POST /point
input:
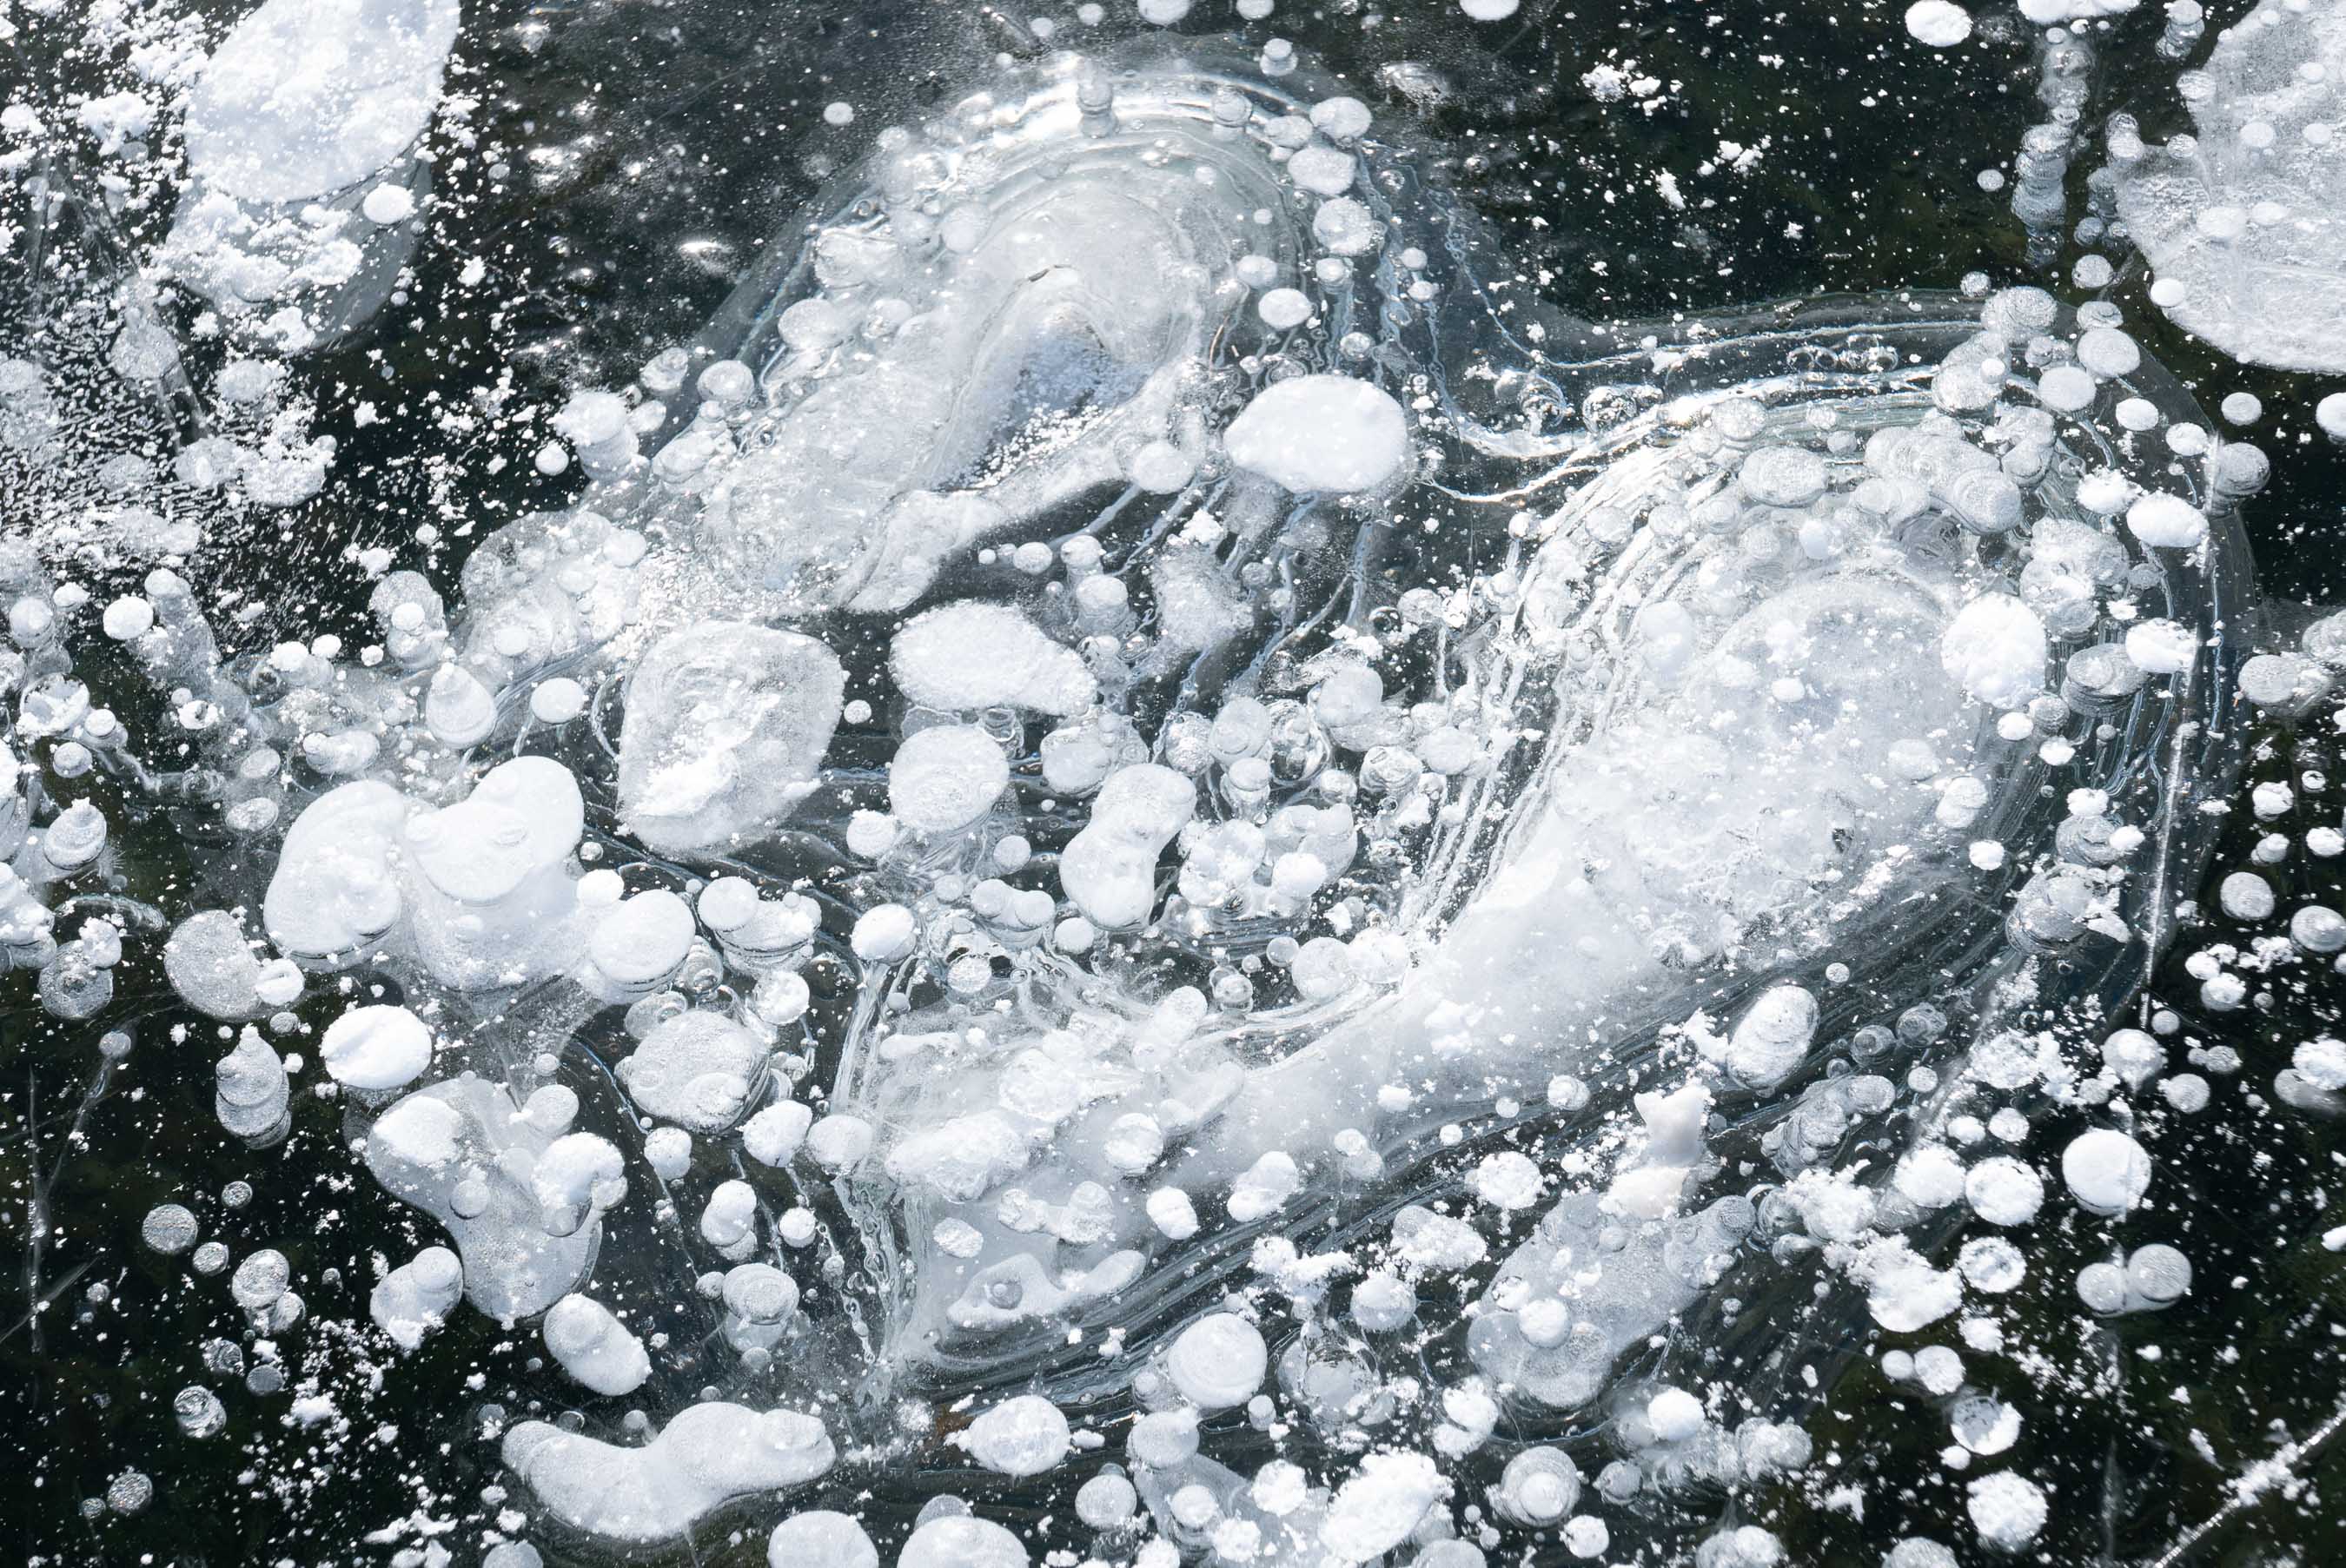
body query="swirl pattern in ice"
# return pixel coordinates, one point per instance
(1130, 789)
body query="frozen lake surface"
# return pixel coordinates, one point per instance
(1194, 784)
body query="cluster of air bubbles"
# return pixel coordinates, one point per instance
(2041, 169)
(1056, 813)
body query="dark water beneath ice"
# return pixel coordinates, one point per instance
(631, 161)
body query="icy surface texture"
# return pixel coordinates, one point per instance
(709, 1455)
(2244, 220)
(477, 891)
(519, 1195)
(726, 726)
(303, 100)
(1117, 817)
(1010, 307)
(298, 138)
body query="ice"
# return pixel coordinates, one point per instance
(303, 100)
(1903, 1293)
(2002, 1190)
(708, 1455)
(1358, 768)
(2107, 1172)
(820, 1538)
(299, 113)
(594, 1347)
(1507, 1180)
(697, 1069)
(840, 1142)
(485, 883)
(1321, 432)
(964, 657)
(580, 1174)
(1108, 870)
(377, 1048)
(1078, 311)
(1106, 1500)
(1674, 1414)
(1264, 1187)
(2008, 1510)
(775, 1134)
(637, 944)
(725, 726)
(1377, 1507)
(728, 1221)
(1217, 1361)
(169, 1229)
(1171, 1212)
(211, 965)
(946, 776)
(1996, 648)
(1539, 1487)
(760, 1304)
(466, 1153)
(1915, 1552)
(600, 425)
(2241, 221)
(250, 1092)
(1567, 1303)
(1020, 1437)
(260, 1282)
(1768, 1041)
(961, 1159)
(2167, 522)
(416, 1297)
(334, 893)
(961, 1541)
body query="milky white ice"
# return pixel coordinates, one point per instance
(1109, 869)
(307, 97)
(725, 726)
(2107, 1172)
(1024, 1436)
(820, 1538)
(708, 1455)
(1321, 433)
(866, 474)
(976, 654)
(2243, 222)
(594, 1347)
(308, 102)
(1376, 1508)
(377, 1047)
(1996, 648)
(2167, 522)
(1938, 22)
(416, 1297)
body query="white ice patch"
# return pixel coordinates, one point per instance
(970, 655)
(1320, 434)
(708, 1455)
(1996, 648)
